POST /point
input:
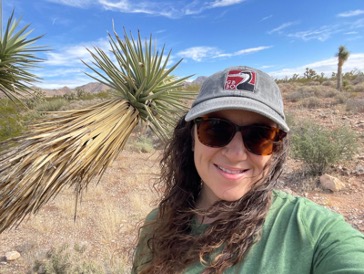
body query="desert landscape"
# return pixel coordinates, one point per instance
(102, 235)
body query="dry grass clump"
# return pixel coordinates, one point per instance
(301, 93)
(311, 102)
(327, 92)
(329, 83)
(355, 105)
(339, 98)
(358, 87)
(288, 87)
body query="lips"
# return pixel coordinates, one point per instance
(231, 171)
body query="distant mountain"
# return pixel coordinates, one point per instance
(95, 87)
(92, 87)
(199, 80)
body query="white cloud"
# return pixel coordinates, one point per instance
(224, 3)
(321, 34)
(170, 9)
(199, 54)
(266, 18)
(327, 66)
(282, 27)
(72, 55)
(351, 13)
(351, 33)
(73, 3)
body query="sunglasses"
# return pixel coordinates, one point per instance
(258, 139)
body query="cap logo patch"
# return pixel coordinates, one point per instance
(238, 79)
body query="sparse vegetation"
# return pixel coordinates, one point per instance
(355, 105)
(319, 147)
(142, 144)
(52, 104)
(102, 238)
(64, 260)
(11, 122)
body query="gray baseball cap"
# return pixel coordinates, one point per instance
(243, 88)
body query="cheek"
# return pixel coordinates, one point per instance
(261, 162)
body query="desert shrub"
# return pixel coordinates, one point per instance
(37, 97)
(287, 88)
(355, 105)
(103, 95)
(69, 96)
(311, 102)
(328, 92)
(290, 120)
(298, 95)
(358, 87)
(328, 83)
(142, 143)
(63, 260)
(358, 79)
(340, 98)
(53, 104)
(320, 147)
(11, 121)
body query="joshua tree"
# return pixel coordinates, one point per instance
(342, 56)
(73, 147)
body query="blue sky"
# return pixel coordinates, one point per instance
(281, 37)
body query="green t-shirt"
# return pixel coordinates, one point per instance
(298, 236)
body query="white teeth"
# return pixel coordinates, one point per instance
(230, 171)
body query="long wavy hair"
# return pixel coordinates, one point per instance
(169, 243)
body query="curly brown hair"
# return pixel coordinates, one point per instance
(168, 239)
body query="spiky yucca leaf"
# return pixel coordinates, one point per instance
(71, 148)
(17, 57)
(143, 79)
(68, 150)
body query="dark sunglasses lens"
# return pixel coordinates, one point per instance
(214, 132)
(259, 140)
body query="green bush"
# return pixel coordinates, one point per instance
(52, 104)
(320, 147)
(11, 121)
(38, 97)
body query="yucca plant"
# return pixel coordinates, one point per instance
(17, 58)
(73, 147)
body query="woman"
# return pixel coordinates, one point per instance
(219, 212)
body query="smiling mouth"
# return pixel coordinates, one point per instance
(234, 171)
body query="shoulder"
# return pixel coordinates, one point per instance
(152, 215)
(314, 219)
(283, 201)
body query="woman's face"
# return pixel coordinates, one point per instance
(229, 172)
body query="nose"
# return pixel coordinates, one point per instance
(235, 150)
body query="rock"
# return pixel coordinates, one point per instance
(331, 183)
(12, 255)
(359, 169)
(361, 157)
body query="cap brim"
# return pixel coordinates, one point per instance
(222, 103)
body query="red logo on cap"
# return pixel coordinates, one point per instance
(238, 79)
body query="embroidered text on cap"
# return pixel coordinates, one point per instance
(238, 79)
